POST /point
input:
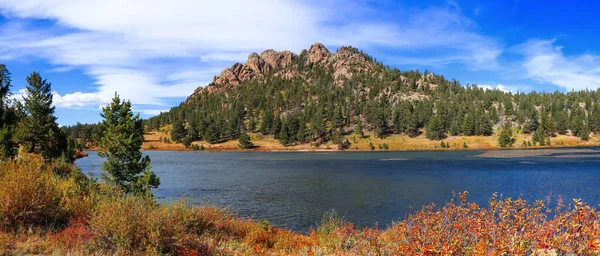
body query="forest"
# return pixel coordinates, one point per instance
(316, 105)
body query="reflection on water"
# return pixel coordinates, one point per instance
(295, 189)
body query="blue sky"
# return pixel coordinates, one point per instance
(156, 52)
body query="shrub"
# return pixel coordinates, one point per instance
(371, 146)
(29, 194)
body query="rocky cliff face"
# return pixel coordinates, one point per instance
(344, 63)
(257, 66)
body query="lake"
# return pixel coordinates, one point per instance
(294, 189)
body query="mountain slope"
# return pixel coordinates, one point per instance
(322, 97)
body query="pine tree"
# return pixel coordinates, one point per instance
(505, 139)
(7, 147)
(267, 122)
(435, 129)
(284, 137)
(358, 128)
(38, 130)
(584, 133)
(244, 141)
(454, 128)
(485, 127)
(178, 131)
(120, 144)
(468, 125)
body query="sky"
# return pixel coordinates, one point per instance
(156, 53)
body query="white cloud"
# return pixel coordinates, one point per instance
(78, 100)
(545, 62)
(503, 88)
(152, 50)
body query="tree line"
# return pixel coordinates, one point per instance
(315, 106)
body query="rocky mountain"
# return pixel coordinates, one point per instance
(318, 96)
(344, 63)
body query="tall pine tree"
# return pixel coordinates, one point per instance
(120, 144)
(38, 130)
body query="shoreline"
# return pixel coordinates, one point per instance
(394, 143)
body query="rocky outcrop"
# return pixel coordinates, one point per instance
(317, 53)
(345, 62)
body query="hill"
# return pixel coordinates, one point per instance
(318, 99)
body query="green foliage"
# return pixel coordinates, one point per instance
(38, 130)
(244, 141)
(506, 135)
(125, 167)
(371, 146)
(435, 129)
(314, 104)
(178, 131)
(584, 133)
(187, 141)
(465, 144)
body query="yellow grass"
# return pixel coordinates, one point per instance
(394, 142)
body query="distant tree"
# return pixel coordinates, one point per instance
(244, 141)
(584, 133)
(178, 131)
(267, 122)
(506, 135)
(465, 144)
(540, 135)
(468, 126)
(435, 129)
(211, 135)
(454, 128)
(121, 142)
(186, 141)
(358, 128)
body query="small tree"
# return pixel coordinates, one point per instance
(178, 132)
(584, 133)
(505, 139)
(435, 129)
(120, 144)
(465, 144)
(244, 141)
(187, 141)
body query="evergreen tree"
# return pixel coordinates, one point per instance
(435, 129)
(211, 135)
(584, 133)
(244, 141)
(178, 131)
(120, 144)
(454, 128)
(485, 127)
(468, 126)
(7, 147)
(284, 137)
(267, 122)
(506, 136)
(358, 128)
(38, 130)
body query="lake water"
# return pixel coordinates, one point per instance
(293, 190)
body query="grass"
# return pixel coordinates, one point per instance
(394, 142)
(44, 212)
